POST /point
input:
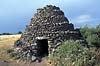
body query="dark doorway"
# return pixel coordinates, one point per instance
(42, 45)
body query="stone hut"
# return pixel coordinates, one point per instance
(47, 29)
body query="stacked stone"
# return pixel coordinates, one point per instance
(48, 22)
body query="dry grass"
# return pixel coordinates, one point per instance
(7, 42)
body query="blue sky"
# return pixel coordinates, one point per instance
(16, 14)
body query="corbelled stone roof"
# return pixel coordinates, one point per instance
(48, 22)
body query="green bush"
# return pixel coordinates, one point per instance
(10, 50)
(92, 35)
(72, 53)
(93, 40)
(86, 31)
(13, 54)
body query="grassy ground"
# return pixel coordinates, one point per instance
(7, 42)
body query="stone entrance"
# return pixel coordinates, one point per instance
(42, 46)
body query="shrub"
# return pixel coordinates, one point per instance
(86, 31)
(19, 32)
(10, 50)
(13, 54)
(93, 40)
(6, 34)
(72, 53)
